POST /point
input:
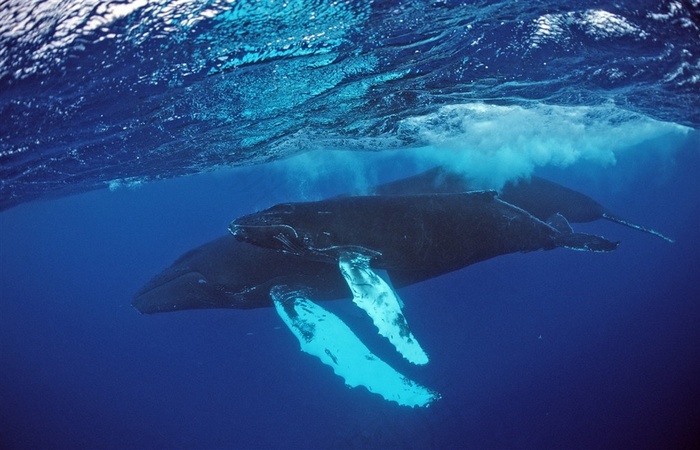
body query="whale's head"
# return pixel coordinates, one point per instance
(295, 228)
(278, 228)
(223, 273)
(178, 288)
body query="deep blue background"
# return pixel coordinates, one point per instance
(552, 349)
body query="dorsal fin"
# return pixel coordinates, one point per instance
(559, 223)
(486, 194)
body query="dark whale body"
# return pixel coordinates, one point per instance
(540, 197)
(226, 273)
(426, 234)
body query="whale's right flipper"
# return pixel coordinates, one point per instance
(371, 293)
(325, 336)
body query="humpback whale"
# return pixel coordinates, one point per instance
(540, 197)
(226, 273)
(431, 234)
(415, 235)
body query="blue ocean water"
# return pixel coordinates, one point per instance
(264, 102)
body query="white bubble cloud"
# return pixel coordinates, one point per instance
(493, 144)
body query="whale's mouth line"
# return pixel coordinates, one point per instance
(154, 285)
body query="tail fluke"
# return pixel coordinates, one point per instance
(615, 219)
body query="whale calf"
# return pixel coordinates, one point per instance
(426, 235)
(430, 234)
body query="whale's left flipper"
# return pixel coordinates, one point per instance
(371, 293)
(325, 336)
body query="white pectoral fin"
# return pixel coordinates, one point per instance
(325, 336)
(371, 293)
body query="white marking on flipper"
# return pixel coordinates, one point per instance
(616, 219)
(384, 275)
(381, 303)
(325, 336)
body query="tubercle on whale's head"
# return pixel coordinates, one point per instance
(270, 228)
(294, 228)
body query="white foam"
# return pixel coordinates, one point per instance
(596, 23)
(131, 182)
(602, 24)
(60, 25)
(493, 144)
